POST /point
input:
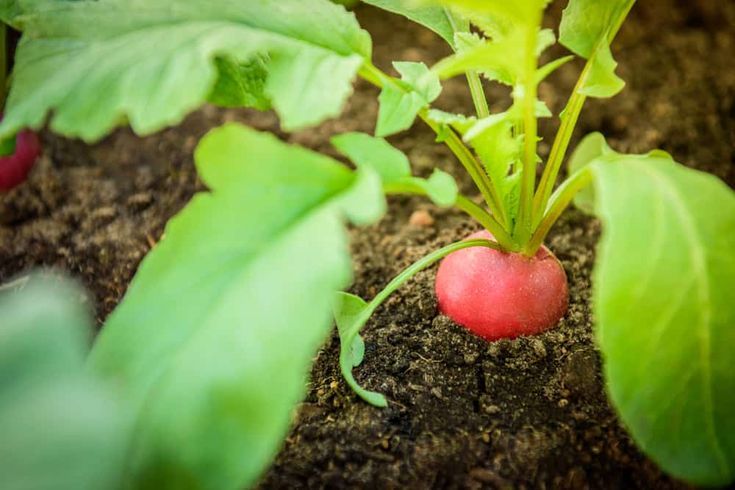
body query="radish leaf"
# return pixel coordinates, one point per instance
(241, 84)
(393, 167)
(666, 312)
(499, 59)
(399, 106)
(500, 12)
(439, 19)
(376, 153)
(60, 427)
(81, 61)
(587, 28)
(588, 150)
(351, 313)
(592, 147)
(219, 350)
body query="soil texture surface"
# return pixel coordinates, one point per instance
(463, 413)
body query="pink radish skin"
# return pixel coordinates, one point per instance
(502, 295)
(15, 168)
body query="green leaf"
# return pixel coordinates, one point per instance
(440, 187)
(585, 22)
(587, 28)
(439, 19)
(217, 331)
(592, 147)
(60, 427)
(500, 152)
(9, 12)
(399, 106)
(551, 67)
(523, 12)
(7, 145)
(241, 84)
(459, 122)
(366, 151)
(96, 64)
(391, 164)
(499, 59)
(588, 150)
(666, 317)
(601, 80)
(351, 313)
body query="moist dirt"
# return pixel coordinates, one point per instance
(463, 413)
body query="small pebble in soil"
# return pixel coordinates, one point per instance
(103, 215)
(140, 201)
(470, 357)
(492, 409)
(539, 349)
(421, 218)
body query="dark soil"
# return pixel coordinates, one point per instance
(526, 413)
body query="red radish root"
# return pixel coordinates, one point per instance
(502, 295)
(15, 168)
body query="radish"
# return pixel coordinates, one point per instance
(502, 295)
(15, 168)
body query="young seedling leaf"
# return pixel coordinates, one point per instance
(439, 19)
(220, 350)
(665, 309)
(392, 165)
(357, 350)
(347, 309)
(351, 313)
(60, 427)
(96, 64)
(587, 28)
(399, 105)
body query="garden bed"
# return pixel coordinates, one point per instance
(462, 413)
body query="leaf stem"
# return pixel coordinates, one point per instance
(350, 332)
(473, 79)
(569, 118)
(478, 94)
(372, 74)
(423, 263)
(487, 221)
(466, 205)
(557, 204)
(473, 167)
(530, 135)
(3, 64)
